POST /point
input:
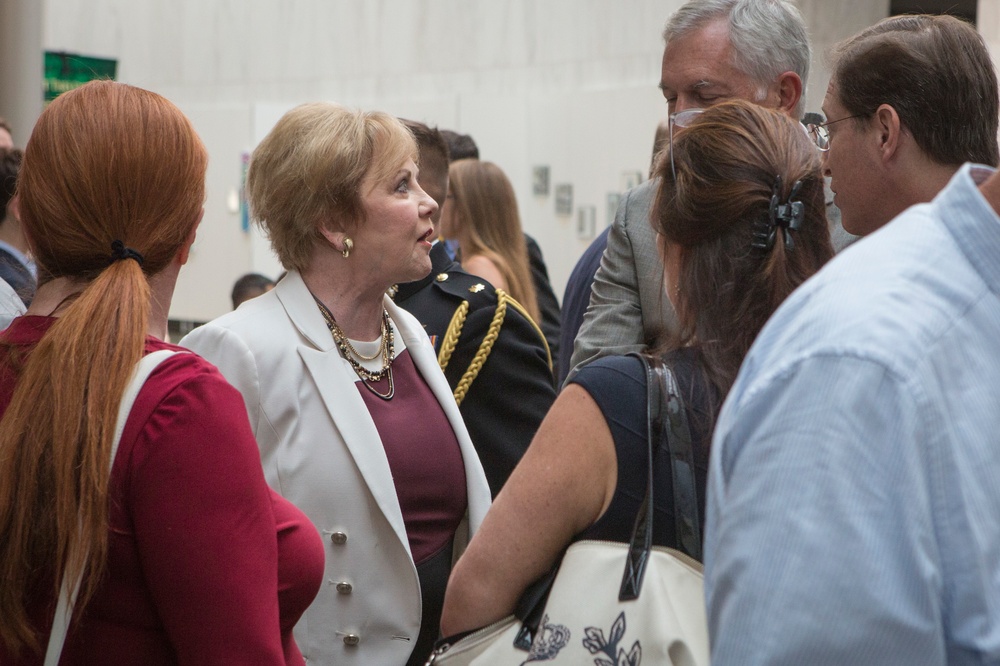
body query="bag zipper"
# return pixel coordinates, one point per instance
(444, 647)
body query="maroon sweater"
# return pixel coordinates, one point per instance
(206, 565)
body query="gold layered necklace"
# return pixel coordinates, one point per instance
(386, 350)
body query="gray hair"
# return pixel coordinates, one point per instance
(768, 36)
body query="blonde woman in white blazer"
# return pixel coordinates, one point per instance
(355, 421)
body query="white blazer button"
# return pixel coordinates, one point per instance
(352, 639)
(345, 588)
(339, 538)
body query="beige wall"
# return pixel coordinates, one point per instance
(988, 20)
(570, 84)
(829, 22)
(20, 65)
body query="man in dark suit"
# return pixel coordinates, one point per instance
(575, 300)
(548, 305)
(495, 358)
(16, 269)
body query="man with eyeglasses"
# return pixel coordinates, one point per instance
(911, 99)
(854, 481)
(716, 50)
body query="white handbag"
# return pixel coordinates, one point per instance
(654, 613)
(70, 588)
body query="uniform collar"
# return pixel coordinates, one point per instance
(440, 263)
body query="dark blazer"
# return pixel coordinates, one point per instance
(576, 298)
(512, 391)
(17, 275)
(548, 305)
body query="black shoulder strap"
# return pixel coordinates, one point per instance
(675, 438)
(667, 429)
(642, 531)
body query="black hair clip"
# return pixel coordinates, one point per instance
(786, 216)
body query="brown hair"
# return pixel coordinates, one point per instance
(728, 162)
(308, 171)
(485, 209)
(660, 140)
(434, 157)
(105, 162)
(10, 164)
(936, 72)
(460, 146)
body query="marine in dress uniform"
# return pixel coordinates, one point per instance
(494, 356)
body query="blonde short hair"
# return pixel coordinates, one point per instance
(309, 170)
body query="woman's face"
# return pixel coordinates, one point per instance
(394, 241)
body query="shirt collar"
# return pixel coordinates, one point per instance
(970, 218)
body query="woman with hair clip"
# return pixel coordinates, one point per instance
(740, 226)
(183, 554)
(480, 212)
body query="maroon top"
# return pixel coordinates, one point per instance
(426, 462)
(206, 565)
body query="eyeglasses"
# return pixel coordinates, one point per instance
(680, 119)
(821, 135)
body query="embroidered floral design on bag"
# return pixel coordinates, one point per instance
(615, 656)
(548, 642)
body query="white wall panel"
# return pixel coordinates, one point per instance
(222, 251)
(829, 23)
(566, 83)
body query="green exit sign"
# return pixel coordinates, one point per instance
(65, 71)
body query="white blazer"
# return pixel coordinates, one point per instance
(10, 305)
(320, 449)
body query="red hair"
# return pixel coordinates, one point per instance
(105, 162)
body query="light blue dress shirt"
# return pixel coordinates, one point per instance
(854, 486)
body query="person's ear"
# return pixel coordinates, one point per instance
(336, 238)
(13, 213)
(184, 253)
(789, 93)
(890, 130)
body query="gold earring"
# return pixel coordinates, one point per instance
(348, 246)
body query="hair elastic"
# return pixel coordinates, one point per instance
(120, 252)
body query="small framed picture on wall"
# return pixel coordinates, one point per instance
(586, 222)
(564, 199)
(614, 198)
(631, 179)
(540, 181)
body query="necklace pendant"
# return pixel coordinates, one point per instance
(384, 396)
(386, 350)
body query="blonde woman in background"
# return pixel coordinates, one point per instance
(481, 214)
